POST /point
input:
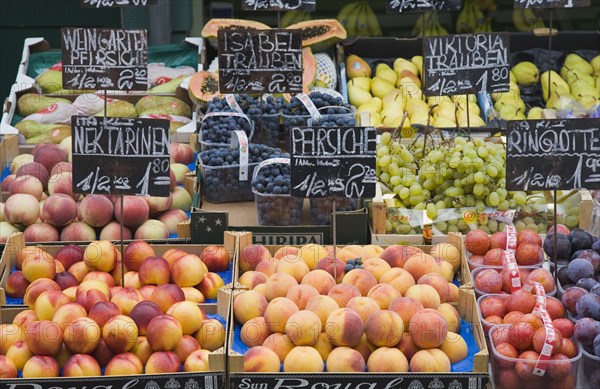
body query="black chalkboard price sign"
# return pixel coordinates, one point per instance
(552, 3)
(116, 3)
(333, 161)
(466, 63)
(405, 6)
(260, 61)
(127, 156)
(279, 5)
(557, 154)
(102, 59)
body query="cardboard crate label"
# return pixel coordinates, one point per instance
(338, 161)
(359, 381)
(120, 156)
(116, 3)
(396, 6)
(104, 59)
(466, 63)
(552, 3)
(553, 154)
(260, 61)
(279, 5)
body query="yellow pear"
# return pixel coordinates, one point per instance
(417, 60)
(443, 105)
(574, 61)
(394, 95)
(384, 71)
(357, 96)
(557, 84)
(404, 64)
(474, 121)
(421, 117)
(373, 105)
(463, 98)
(443, 122)
(413, 105)
(583, 89)
(473, 108)
(380, 87)
(535, 113)
(361, 82)
(595, 63)
(575, 76)
(509, 112)
(392, 118)
(509, 101)
(433, 100)
(375, 119)
(512, 77)
(588, 102)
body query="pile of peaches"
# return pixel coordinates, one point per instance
(84, 319)
(303, 312)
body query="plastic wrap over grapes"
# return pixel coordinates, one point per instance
(216, 131)
(221, 171)
(266, 115)
(274, 205)
(321, 208)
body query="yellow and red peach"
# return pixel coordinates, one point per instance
(19, 354)
(40, 366)
(198, 361)
(120, 334)
(311, 254)
(438, 282)
(16, 285)
(164, 333)
(384, 328)
(322, 306)
(429, 361)
(420, 264)
(280, 344)
(428, 328)
(216, 258)
(301, 294)
(387, 359)
(426, 294)
(166, 296)
(154, 271)
(342, 293)
(407, 346)
(248, 305)
(44, 337)
(252, 278)
(103, 353)
(143, 350)
(344, 327)
(303, 359)
(278, 312)
(48, 303)
(376, 266)
(7, 368)
(451, 316)
(124, 364)
(364, 306)
(211, 335)
(254, 332)
(210, 285)
(345, 360)
(81, 365)
(251, 255)
(189, 314)
(303, 328)
(38, 264)
(82, 336)
(261, 359)
(361, 279)
(278, 285)
(142, 313)
(383, 294)
(320, 280)
(397, 255)
(406, 307)
(100, 255)
(455, 347)
(399, 279)
(187, 270)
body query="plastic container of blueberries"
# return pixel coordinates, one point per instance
(479, 292)
(504, 375)
(206, 144)
(321, 208)
(289, 122)
(335, 117)
(267, 129)
(277, 209)
(228, 176)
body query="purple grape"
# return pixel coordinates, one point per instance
(589, 306)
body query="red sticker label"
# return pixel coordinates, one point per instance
(510, 266)
(49, 109)
(162, 80)
(550, 341)
(511, 237)
(57, 67)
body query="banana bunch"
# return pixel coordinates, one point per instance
(526, 20)
(293, 17)
(431, 24)
(472, 19)
(359, 19)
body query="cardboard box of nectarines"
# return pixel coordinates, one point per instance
(79, 332)
(184, 272)
(312, 340)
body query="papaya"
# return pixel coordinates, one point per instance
(203, 87)
(309, 68)
(320, 34)
(210, 29)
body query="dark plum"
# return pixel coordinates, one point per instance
(596, 245)
(586, 283)
(597, 345)
(563, 276)
(589, 306)
(580, 239)
(591, 256)
(570, 296)
(586, 330)
(563, 246)
(596, 289)
(580, 268)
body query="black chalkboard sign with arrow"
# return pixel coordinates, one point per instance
(279, 5)
(333, 161)
(127, 156)
(406, 6)
(466, 63)
(552, 3)
(104, 59)
(557, 154)
(116, 3)
(260, 61)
